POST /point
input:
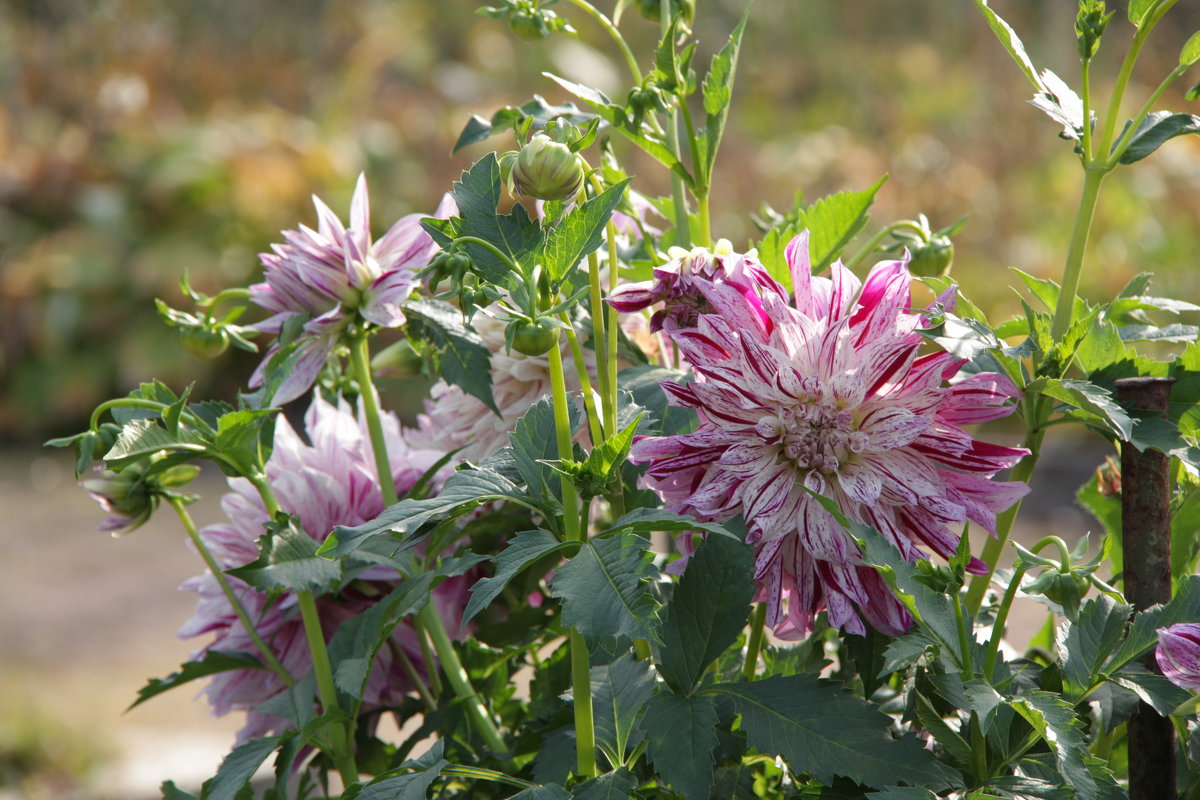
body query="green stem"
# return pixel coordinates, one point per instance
(240, 610)
(705, 234)
(754, 643)
(1004, 521)
(616, 496)
(1118, 92)
(427, 619)
(993, 645)
(595, 430)
(978, 748)
(874, 241)
(585, 732)
(496, 251)
(1092, 178)
(600, 334)
(1086, 97)
(608, 26)
(411, 671)
(341, 736)
(360, 361)
(136, 402)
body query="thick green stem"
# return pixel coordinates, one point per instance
(341, 735)
(427, 619)
(611, 29)
(1064, 313)
(585, 731)
(1086, 98)
(754, 644)
(268, 655)
(964, 639)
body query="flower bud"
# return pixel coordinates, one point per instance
(932, 259)
(124, 495)
(1178, 654)
(547, 170)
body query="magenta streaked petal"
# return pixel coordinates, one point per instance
(1178, 654)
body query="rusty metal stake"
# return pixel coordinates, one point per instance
(1146, 540)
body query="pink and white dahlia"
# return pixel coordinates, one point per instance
(1178, 654)
(698, 282)
(335, 272)
(830, 395)
(326, 482)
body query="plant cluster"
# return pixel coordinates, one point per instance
(606, 370)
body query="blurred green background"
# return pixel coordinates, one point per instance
(139, 139)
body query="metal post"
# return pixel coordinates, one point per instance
(1146, 538)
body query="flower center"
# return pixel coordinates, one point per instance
(817, 435)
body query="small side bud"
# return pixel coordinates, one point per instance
(1090, 24)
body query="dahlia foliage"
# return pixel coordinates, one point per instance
(677, 518)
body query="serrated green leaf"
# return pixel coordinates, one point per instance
(212, 662)
(824, 731)
(172, 792)
(833, 220)
(462, 358)
(646, 520)
(707, 612)
(534, 442)
(245, 438)
(357, 641)
(463, 491)
(617, 785)
(947, 737)
(1153, 690)
(144, 437)
(1089, 642)
(1055, 720)
(549, 791)
(1011, 42)
(681, 734)
(238, 768)
(410, 781)
(1095, 400)
(619, 693)
(644, 383)
(523, 550)
(288, 561)
(1154, 333)
(579, 233)
(718, 91)
(1143, 634)
(1155, 130)
(1101, 348)
(604, 588)
(903, 652)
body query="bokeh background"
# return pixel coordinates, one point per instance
(140, 139)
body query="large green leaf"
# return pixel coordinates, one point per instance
(617, 785)
(212, 662)
(1095, 401)
(707, 612)
(619, 693)
(357, 641)
(534, 442)
(462, 357)
(463, 491)
(1143, 634)
(1152, 689)
(605, 588)
(238, 768)
(1089, 642)
(681, 736)
(410, 781)
(1055, 720)
(578, 234)
(523, 550)
(245, 438)
(823, 730)
(144, 437)
(288, 561)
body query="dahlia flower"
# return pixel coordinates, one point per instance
(330, 482)
(1178, 654)
(688, 285)
(828, 395)
(333, 273)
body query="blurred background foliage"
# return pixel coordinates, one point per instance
(139, 139)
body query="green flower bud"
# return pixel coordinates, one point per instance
(1089, 27)
(398, 360)
(204, 342)
(532, 338)
(547, 170)
(933, 258)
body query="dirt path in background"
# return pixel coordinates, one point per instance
(87, 619)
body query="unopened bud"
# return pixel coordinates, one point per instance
(547, 170)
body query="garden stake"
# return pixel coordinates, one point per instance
(1146, 538)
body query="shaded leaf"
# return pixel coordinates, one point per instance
(824, 731)
(238, 768)
(682, 734)
(617, 785)
(478, 129)
(523, 550)
(579, 233)
(833, 220)
(212, 662)
(619, 693)
(1089, 641)
(288, 561)
(1095, 400)
(462, 357)
(1155, 130)
(644, 520)
(604, 588)
(1055, 720)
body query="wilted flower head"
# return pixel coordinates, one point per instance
(830, 396)
(697, 282)
(1178, 654)
(329, 482)
(334, 272)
